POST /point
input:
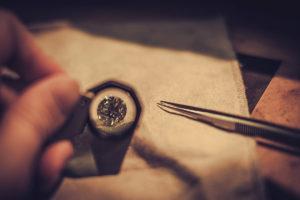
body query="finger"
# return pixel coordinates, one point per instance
(19, 51)
(52, 163)
(38, 112)
(7, 95)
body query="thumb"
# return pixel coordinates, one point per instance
(39, 112)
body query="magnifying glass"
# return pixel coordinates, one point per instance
(101, 127)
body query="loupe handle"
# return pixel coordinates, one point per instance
(76, 121)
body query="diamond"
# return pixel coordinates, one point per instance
(111, 111)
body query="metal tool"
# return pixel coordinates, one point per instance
(234, 123)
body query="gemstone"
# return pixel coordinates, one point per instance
(111, 111)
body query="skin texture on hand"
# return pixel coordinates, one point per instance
(30, 117)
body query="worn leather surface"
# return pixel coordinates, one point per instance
(280, 104)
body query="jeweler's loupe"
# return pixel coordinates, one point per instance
(100, 128)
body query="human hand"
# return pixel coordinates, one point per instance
(30, 117)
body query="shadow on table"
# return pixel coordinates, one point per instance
(176, 26)
(257, 73)
(167, 24)
(275, 191)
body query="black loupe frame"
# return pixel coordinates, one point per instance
(108, 151)
(113, 84)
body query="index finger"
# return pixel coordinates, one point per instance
(19, 52)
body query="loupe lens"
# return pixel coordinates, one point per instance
(112, 112)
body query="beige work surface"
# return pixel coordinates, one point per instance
(170, 157)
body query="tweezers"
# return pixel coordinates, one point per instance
(235, 123)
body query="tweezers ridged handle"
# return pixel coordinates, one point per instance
(277, 134)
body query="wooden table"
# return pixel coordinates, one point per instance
(272, 38)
